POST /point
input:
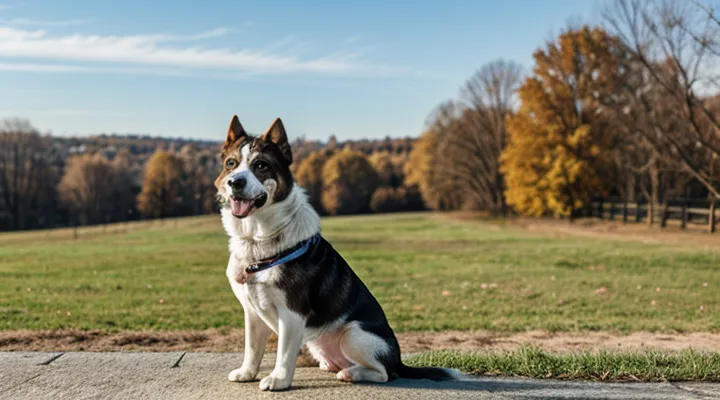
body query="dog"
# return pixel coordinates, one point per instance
(290, 280)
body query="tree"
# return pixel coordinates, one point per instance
(27, 177)
(309, 176)
(124, 200)
(556, 158)
(387, 199)
(468, 135)
(89, 188)
(164, 187)
(387, 168)
(422, 172)
(199, 182)
(673, 45)
(348, 182)
(480, 134)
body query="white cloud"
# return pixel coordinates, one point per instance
(163, 52)
(67, 112)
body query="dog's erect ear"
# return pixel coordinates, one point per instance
(235, 131)
(276, 134)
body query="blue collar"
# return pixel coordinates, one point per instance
(285, 256)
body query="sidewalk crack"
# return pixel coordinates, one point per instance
(177, 363)
(698, 393)
(51, 359)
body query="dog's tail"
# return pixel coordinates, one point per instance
(432, 373)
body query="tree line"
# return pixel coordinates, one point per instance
(48, 182)
(624, 108)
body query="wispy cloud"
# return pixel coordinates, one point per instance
(42, 22)
(352, 39)
(4, 7)
(67, 112)
(164, 53)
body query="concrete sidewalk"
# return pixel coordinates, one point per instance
(78, 375)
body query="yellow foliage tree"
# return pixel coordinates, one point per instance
(421, 171)
(309, 176)
(164, 190)
(349, 181)
(386, 166)
(556, 156)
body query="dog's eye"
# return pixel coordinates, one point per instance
(262, 166)
(231, 163)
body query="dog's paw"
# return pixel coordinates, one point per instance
(329, 368)
(241, 375)
(274, 382)
(344, 376)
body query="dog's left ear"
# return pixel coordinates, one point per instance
(276, 134)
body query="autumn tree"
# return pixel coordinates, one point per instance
(349, 181)
(463, 142)
(422, 173)
(164, 188)
(673, 45)
(309, 176)
(198, 180)
(478, 136)
(388, 168)
(27, 177)
(556, 156)
(124, 200)
(90, 188)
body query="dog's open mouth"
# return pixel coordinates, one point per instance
(241, 208)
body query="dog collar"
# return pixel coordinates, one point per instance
(285, 256)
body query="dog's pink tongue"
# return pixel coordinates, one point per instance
(241, 208)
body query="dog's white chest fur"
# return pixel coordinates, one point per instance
(253, 239)
(259, 295)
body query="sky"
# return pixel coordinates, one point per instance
(182, 68)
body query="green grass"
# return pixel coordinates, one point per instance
(428, 273)
(529, 362)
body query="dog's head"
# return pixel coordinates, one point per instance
(256, 170)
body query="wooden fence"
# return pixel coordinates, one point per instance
(686, 212)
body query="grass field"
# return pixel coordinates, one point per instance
(604, 365)
(429, 273)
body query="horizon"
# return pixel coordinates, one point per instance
(175, 70)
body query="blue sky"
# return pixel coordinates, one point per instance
(182, 68)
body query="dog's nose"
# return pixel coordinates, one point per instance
(237, 183)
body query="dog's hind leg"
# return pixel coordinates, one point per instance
(291, 328)
(256, 337)
(362, 349)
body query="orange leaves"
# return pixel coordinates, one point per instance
(555, 157)
(309, 176)
(163, 186)
(348, 182)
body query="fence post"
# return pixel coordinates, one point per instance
(625, 211)
(612, 211)
(664, 215)
(711, 216)
(684, 221)
(601, 208)
(637, 211)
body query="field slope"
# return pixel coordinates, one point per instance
(428, 271)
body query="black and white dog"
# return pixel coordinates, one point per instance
(290, 280)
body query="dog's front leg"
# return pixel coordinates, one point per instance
(256, 337)
(291, 327)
